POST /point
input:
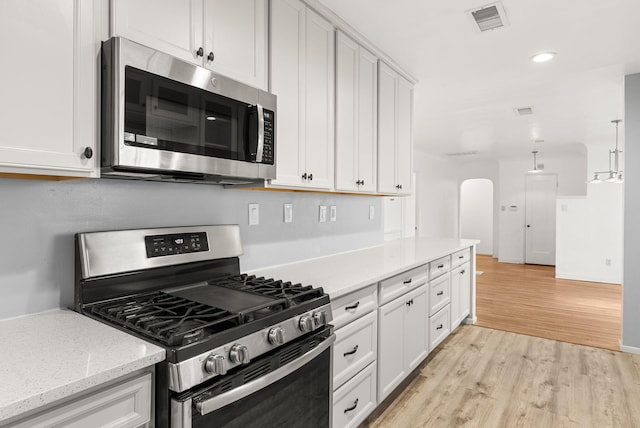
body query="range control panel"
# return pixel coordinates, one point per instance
(178, 243)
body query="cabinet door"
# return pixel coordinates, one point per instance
(416, 331)
(347, 113)
(171, 26)
(455, 298)
(287, 83)
(464, 276)
(49, 114)
(319, 96)
(404, 167)
(387, 113)
(367, 119)
(391, 346)
(236, 35)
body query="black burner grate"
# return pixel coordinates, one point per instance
(295, 294)
(169, 319)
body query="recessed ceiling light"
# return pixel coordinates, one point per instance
(543, 57)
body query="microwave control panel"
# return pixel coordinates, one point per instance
(178, 243)
(267, 151)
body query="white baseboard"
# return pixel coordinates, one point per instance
(514, 261)
(470, 320)
(579, 277)
(630, 349)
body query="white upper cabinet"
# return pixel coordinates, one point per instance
(229, 37)
(356, 116)
(49, 115)
(395, 101)
(302, 77)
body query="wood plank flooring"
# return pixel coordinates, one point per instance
(480, 377)
(528, 299)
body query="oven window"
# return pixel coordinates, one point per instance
(300, 399)
(167, 115)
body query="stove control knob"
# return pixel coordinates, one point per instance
(214, 364)
(306, 323)
(276, 336)
(239, 354)
(320, 318)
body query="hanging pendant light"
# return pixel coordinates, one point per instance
(535, 169)
(614, 175)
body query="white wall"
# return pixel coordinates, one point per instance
(631, 275)
(476, 213)
(571, 172)
(40, 218)
(436, 196)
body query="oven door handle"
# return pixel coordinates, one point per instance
(219, 401)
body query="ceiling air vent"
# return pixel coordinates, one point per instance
(469, 153)
(524, 111)
(489, 17)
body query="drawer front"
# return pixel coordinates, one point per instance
(439, 266)
(398, 285)
(356, 399)
(355, 348)
(439, 327)
(126, 405)
(461, 257)
(440, 293)
(354, 305)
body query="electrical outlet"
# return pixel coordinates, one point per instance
(322, 217)
(288, 213)
(254, 214)
(372, 212)
(607, 262)
(333, 213)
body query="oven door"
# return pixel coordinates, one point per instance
(292, 387)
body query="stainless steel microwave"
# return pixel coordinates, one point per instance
(167, 119)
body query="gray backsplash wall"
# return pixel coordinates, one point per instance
(39, 220)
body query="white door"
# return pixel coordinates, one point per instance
(540, 219)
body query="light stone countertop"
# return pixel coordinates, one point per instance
(53, 355)
(343, 273)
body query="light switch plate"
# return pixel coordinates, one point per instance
(322, 217)
(288, 213)
(333, 213)
(254, 214)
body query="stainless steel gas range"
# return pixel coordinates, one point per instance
(242, 351)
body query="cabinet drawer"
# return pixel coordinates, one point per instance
(400, 284)
(439, 293)
(126, 405)
(355, 348)
(439, 266)
(461, 257)
(354, 305)
(439, 327)
(356, 399)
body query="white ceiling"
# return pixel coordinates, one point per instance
(469, 83)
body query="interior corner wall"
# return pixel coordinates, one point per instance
(476, 213)
(631, 272)
(436, 197)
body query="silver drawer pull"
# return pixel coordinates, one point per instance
(355, 404)
(353, 351)
(354, 306)
(440, 293)
(407, 281)
(439, 327)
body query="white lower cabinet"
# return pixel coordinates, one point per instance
(439, 327)
(460, 294)
(355, 348)
(356, 399)
(124, 405)
(402, 338)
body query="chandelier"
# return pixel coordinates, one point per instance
(614, 175)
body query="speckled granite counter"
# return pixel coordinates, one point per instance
(340, 274)
(52, 355)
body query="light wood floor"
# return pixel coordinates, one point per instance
(528, 299)
(480, 377)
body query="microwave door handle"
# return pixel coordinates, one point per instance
(219, 401)
(260, 149)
